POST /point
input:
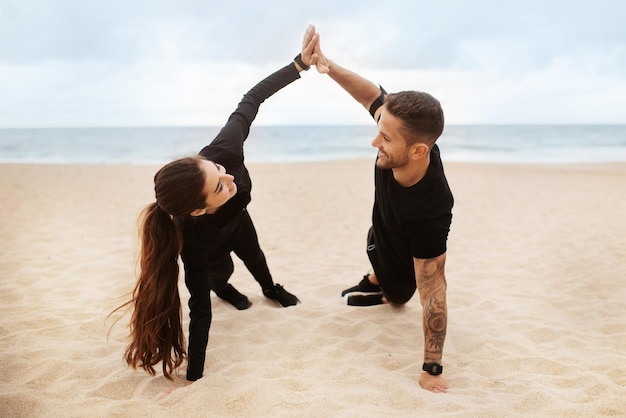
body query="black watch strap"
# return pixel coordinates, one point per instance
(302, 65)
(433, 369)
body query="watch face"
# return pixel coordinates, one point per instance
(433, 369)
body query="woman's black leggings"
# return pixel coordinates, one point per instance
(246, 246)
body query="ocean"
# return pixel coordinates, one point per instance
(472, 143)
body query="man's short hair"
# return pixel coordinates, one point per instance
(420, 113)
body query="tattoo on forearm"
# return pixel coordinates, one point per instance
(432, 288)
(431, 272)
(435, 325)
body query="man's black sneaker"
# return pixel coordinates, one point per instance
(364, 286)
(364, 300)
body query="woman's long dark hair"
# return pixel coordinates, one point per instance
(156, 333)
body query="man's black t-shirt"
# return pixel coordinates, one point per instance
(409, 222)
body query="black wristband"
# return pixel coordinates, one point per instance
(433, 369)
(298, 59)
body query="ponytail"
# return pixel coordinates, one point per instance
(156, 333)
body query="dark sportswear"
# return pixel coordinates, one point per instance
(408, 222)
(208, 240)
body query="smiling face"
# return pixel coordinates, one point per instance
(219, 187)
(393, 151)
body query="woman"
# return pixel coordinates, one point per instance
(200, 214)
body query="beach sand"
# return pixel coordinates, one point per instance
(536, 272)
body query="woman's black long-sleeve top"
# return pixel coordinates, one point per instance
(209, 234)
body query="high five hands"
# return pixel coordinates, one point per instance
(312, 52)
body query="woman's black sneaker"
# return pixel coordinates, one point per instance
(232, 296)
(280, 295)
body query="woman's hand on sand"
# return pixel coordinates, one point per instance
(171, 389)
(435, 384)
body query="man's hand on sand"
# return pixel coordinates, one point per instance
(435, 384)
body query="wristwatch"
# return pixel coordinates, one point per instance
(301, 63)
(433, 369)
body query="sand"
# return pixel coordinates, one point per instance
(536, 288)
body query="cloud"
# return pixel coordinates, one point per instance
(86, 63)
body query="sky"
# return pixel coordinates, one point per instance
(82, 63)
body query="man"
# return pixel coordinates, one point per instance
(412, 209)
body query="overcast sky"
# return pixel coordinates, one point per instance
(68, 63)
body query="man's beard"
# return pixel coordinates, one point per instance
(388, 162)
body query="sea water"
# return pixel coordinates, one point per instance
(475, 143)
